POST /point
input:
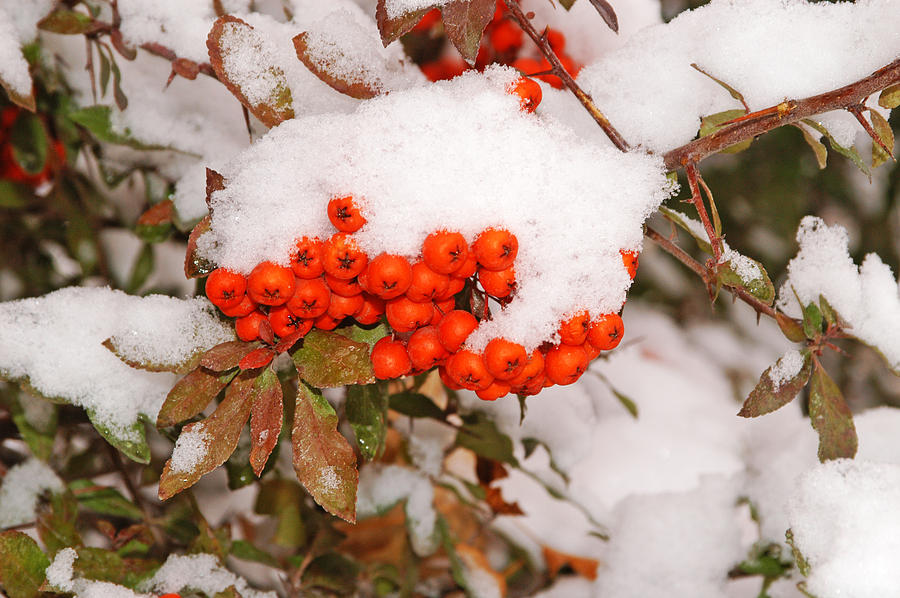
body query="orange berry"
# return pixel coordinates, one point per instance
(342, 307)
(606, 332)
(225, 289)
(467, 370)
(444, 251)
(630, 260)
(497, 283)
(405, 315)
(504, 359)
(455, 286)
(389, 359)
(342, 287)
(311, 298)
(247, 327)
(245, 307)
(455, 327)
(564, 364)
(534, 368)
(496, 249)
(529, 92)
(170, 596)
(344, 214)
(306, 262)
(425, 348)
(371, 310)
(591, 351)
(535, 386)
(493, 392)
(527, 66)
(447, 380)
(574, 331)
(468, 269)
(556, 40)
(342, 257)
(444, 307)
(284, 323)
(506, 37)
(326, 322)
(426, 283)
(388, 276)
(270, 284)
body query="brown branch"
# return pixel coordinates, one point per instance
(857, 112)
(560, 71)
(789, 111)
(715, 242)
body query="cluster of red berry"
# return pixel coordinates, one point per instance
(9, 167)
(502, 44)
(333, 280)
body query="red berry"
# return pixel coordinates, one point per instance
(343, 307)
(371, 310)
(534, 368)
(326, 322)
(389, 359)
(498, 283)
(529, 92)
(306, 262)
(225, 288)
(467, 370)
(426, 283)
(606, 332)
(496, 249)
(243, 308)
(506, 37)
(574, 331)
(247, 327)
(468, 269)
(455, 327)
(405, 315)
(388, 276)
(564, 364)
(342, 257)
(425, 349)
(284, 323)
(504, 359)
(455, 286)
(311, 298)
(630, 260)
(344, 214)
(444, 251)
(493, 392)
(342, 287)
(270, 284)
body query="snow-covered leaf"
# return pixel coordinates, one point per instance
(777, 385)
(195, 265)
(366, 410)
(96, 119)
(392, 28)
(191, 395)
(683, 222)
(831, 418)
(131, 440)
(328, 359)
(741, 271)
(323, 459)
(181, 367)
(464, 22)
(266, 415)
(354, 86)
(22, 565)
(216, 438)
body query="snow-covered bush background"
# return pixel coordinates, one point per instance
(146, 143)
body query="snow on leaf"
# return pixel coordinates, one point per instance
(769, 396)
(240, 57)
(96, 119)
(266, 415)
(464, 22)
(392, 29)
(323, 459)
(22, 565)
(196, 266)
(831, 418)
(181, 367)
(131, 440)
(190, 396)
(214, 182)
(356, 86)
(741, 271)
(221, 430)
(328, 359)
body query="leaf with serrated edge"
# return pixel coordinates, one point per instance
(392, 29)
(464, 23)
(278, 106)
(883, 130)
(818, 148)
(194, 265)
(191, 395)
(266, 415)
(328, 359)
(222, 430)
(22, 565)
(366, 410)
(831, 418)
(890, 97)
(355, 88)
(323, 460)
(765, 398)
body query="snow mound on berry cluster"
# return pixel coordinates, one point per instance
(456, 155)
(866, 297)
(766, 49)
(55, 343)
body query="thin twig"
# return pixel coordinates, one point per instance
(560, 71)
(857, 112)
(697, 199)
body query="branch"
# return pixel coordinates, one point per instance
(785, 113)
(560, 71)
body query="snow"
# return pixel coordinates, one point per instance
(18, 25)
(398, 8)
(382, 486)
(180, 26)
(579, 204)
(788, 366)
(21, 489)
(201, 573)
(768, 50)
(190, 448)
(845, 523)
(55, 343)
(866, 297)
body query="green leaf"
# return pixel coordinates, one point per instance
(392, 28)
(248, 552)
(812, 321)
(30, 143)
(799, 559)
(744, 272)
(141, 269)
(817, 146)
(333, 572)
(831, 317)
(480, 435)
(283, 499)
(890, 97)
(96, 119)
(195, 265)
(366, 410)
(464, 23)
(847, 152)
(266, 415)
(22, 565)
(713, 123)
(792, 329)
(39, 436)
(228, 30)
(156, 224)
(682, 221)
(456, 565)
(104, 500)
(415, 404)
(360, 334)
(732, 91)
(831, 418)
(191, 395)
(67, 22)
(56, 523)
(323, 460)
(357, 85)
(105, 565)
(105, 71)
(766, 398)
(330, 359)
(883, 129)
(130, 440)
(220, 431)
(12, 196)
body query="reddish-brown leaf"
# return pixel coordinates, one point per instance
(196, 266)
(186, 68)
(464, 23)
(278, 104)
(328, 359)
(831, 418)
(607, 13)
(214, 182)
(118, 42)
(227, 355)
(265, 418)
(289, 341)
(356, 88)
(393, 28)
(190, 396)
(160, 213)
(323, 459)
(765, 398)
(556, 560)
(494, 498)
(220, 431)
(257, 358)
